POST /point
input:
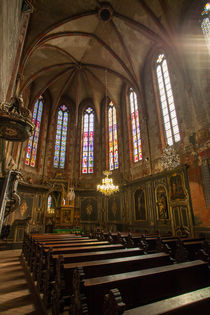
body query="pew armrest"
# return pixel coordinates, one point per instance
(113, 304)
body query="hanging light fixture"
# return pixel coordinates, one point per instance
(107, 187)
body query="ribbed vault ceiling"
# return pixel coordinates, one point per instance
(69, 50)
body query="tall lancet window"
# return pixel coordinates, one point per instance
(88, 141)
(61, 135)
(205, 24)
(136, 134)
(49, 202)
(167, 101)
(113, 143)
(34, 139)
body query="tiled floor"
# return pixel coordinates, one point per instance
(15, 297)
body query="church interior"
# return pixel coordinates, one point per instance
(104, 142)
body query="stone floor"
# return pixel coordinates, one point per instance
(15, 296)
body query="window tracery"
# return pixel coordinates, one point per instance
(113, 141)
(88, 141)
(205, 24)
(167, 101)
(135, 126)
(31, 152)
(61, 135)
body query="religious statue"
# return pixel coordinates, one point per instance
(23, 207)
(140, 206)
(89, 209)
(162, 203)
(15, 105)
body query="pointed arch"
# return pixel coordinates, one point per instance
(61, 137)
(167, 104)
(88, 141)
(135, 126)
(112, 135)
(32, 146)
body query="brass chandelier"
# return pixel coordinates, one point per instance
(107, 188)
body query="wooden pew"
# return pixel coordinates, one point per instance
(81, 249)
(81, 240)
(49, 277)
(118, 265)
(100, 254)
(145, 286)
(181, 249)
(193, 247)
(192, 303)
(44, 264)
(48, 267)
(39, 252)
(75, 244)
(30, 244)
(90, 269)
(35, 250)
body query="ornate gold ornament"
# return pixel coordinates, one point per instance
(15, 121)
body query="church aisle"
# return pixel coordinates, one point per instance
(15, 296)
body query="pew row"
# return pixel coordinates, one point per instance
(192, 303)
(140, 287)
(63, 288)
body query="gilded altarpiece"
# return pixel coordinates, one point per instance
(162, 203)
(182, 224)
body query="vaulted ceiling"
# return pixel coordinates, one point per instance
(77, 48)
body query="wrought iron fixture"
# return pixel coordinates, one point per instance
(107, 187)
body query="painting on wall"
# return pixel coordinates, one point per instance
(162, 203)
(114, 209)
(140, 205)
(177, 187)
(24, 211)
(89, 209)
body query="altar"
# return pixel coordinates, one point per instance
(64, 216)
(62, 209)
(67, 216)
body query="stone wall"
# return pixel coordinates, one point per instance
(11, 23)
(188, 64)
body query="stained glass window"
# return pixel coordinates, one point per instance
(33, 140)
(113, 143)
(205, 24)
(88, 141)
(167, 101)
(136, 134)
(49, 202)
(61, 135)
